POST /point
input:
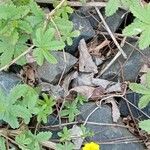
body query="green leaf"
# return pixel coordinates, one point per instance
(145, 125)
(43, 136)
(50, 58)
(43, 38)
(70, 110)
(144, 40)
(139, 88)
(38, 55)
(57, 45)
(134, 28)
(111, 7)
(25, 26)
(2, 143)
(65, 135)
(144, 100)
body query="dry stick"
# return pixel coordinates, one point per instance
(49, 144)
(17, 58)
(111, 34)
(57, 7)
(110, 63)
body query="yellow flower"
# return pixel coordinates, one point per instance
(91, 146)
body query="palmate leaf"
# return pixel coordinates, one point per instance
(18, 104)
(28, 94)
(12, 12)
(43, 38)
(45, 42)
(13, 113)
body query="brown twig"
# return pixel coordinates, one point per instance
(110, 33)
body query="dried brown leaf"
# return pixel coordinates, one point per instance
(115, 109)
(86, 64)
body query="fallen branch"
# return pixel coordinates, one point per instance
(110, 33)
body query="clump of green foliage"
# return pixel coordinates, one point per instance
(22, 104)
(141, 23)
(140, 26)
(24, 22)
(143, 89)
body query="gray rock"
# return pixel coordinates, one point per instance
(51, 72)
(113, 21)
(8, 81)
(134, 99)
(86, 31)
(107, 133)
(127, 70)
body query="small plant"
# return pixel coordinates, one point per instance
(141, 23)
(24, 23)
(71, 108)
(29, 141)
(45, 108)
(24, 28)
(143, 89)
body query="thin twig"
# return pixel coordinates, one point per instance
(56, 8)
(109, 64)
(110, 33)
(17, 58)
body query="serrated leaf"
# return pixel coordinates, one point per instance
(49, 57)
(24, 113)
(144, 101)
(25, 26)
(111, 7)
(43, 136)
(145, 125)
(57, 45)
(38, 55)
(134, 28)
(139, 11)
(64, 26)
(43, 38)
(139, 88)
(144, 40)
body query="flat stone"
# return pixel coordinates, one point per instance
(86, 31)
(113, 21)
(51, 72)
(107, 133)
(127, 70)
(8, 81)
(134, 99)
